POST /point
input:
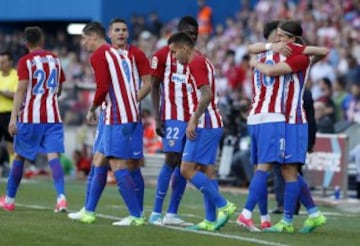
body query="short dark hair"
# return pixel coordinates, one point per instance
(292, 28)
(269, 27)
(187, 21)
(33, 35)
(8, 54)
(181, 38)
(95, 27)
(117, 20)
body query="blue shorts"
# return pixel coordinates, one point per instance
(98, 143)
(203, 149)
(32, 139)
(267, 142)
(123, 141)
(175, 136)
(296, 143)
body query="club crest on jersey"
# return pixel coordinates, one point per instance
(171, 142)
(154, 62)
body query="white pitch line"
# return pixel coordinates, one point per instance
(214, 234)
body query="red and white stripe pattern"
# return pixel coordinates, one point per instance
(294, 91)
(40, 104)
(212, 117)
(175, 102)
(268, 91)
(122, 106)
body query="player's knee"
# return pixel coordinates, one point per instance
(173, 159)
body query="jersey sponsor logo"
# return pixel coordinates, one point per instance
(178, 78)
(154, 62)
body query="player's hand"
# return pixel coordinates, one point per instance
(12, 128)
(282, 48)
(253, 61)
(91, 117)
(160, 128)
(191, 129)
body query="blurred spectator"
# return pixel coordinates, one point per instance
(326, 98)
(152, 142)
(83, 164)
(67, 164)
(154, 24)
(323, 120)
(235, 74)
(341, 98)
(204, 19)
(353, 112)
(353, 73)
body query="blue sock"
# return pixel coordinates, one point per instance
(291, 195)
(257, 190)
(88, 184)
(140, 186)
(162, 187)
(178, 188)
(126, 187)
(305, 196)
(96, 188)
(205, 186)
(58, 176)
(210, 208)
(263, 202)
(14, 179)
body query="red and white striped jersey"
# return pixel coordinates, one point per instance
(43, 71)
(202, 72)
(294, 86)
(267, 91)
(139, 62)
(114, 81)
(175, 104)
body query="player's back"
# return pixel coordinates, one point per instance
(43, 71)
(294, 84)
(267, 90)
(175, 104)
(202, 72)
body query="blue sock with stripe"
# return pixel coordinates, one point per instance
(210, 208)
(205, 186)
(178, 188)
(88, 184)
(291, 195)
(140, 186)
(162, 187)
(305, 196)
(257, 191)
(96, 188)
(57, 173)
(126, 187)
(15, 176)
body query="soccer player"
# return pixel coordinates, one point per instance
(114, 81)
(35, 119)
(267, 115)
(171, 115)
(203, 132)
(118, 33)
(296, 131)
(8, 85)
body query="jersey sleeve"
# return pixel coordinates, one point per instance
(298, 62)
(102, 76)
(22, 70)
(158, 62)
(199, 71)
(142, 62)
